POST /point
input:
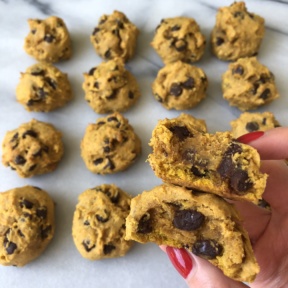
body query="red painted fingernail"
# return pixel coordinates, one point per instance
(247, 138)
(181, 260)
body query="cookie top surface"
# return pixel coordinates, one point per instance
(34, 148)
(115, 36)
(48, 40)
(237, 32)
(99, 222)
(43, 88)
(200, 222)
(26, 224)
(110, 145)
(180, 86)
(179, 38)
(248, 84)
(109, 87)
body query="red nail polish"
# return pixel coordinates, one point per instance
(247, 138)
(181, 260)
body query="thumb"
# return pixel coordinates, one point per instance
(199, 272)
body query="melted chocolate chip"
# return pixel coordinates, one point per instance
(44, 232)
(10, 247)
(238, 70)
(188, 219)
(98, 161)
(114, 197)
(48, 38)
(106, 149)
(15, 137)
(113, 118)
(91, 71)
(197, 172)
(264, 121)
(219, 41)
(131, 95)
(110, 164)
(51, 82)
(239, 181)
(175, 89)
(107, 249)
(19, 160)
(113, 95)
(107, 54)
(175, 28)
(181, 132)
(252, 126)
(179, 44)
(265, 94)
(96, 85)
(189, 83)
(86, 223)
(101, 219)
(255, 88)
(208, 249)
(145, 224)
(41, 212)
(38, 72)
(30, 133)
(86, 244)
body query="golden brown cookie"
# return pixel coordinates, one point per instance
(99, 222)
(26, 224)
(33, 148)
(110, 145)
(214, 163)
(180, 86)
(109, 87)
(247, 84)
(237, 32)
(43, 88)
(115, 36)
(203, 223)
(48, 40)
(179, 38)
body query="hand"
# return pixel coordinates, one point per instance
(268, 230)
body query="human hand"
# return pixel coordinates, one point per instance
(268, 230)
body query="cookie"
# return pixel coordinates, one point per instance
(250, 122)
(43, 88)
(115, 36)
(180, 86)
(214, 163)
(110, 145)
(203, 223)
(34, 148)
(48, 40)
(99, 222)
(110, 87)
(237, 32)
(247, 84)
(179, 38)
(26, 224)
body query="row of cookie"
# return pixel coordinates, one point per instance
(247, 84)
(28, 225)
(237, 33)
(108, 146)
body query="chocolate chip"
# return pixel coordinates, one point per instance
(131, 95)
(45, 148)
(265, 94)
(41, 94)
(86, 244)
(15, 137)
(264, 121)
(240, 181)
(44, 232)
(101, 219)
(189, 155)
(107, 54)
(219, 41)
(98, 161)
(19, 160)
(96, 30)
(189, 83)
(31, 168)
(86, 223)
(96, 85)
(188, 219)
(30, 133)
(106, 149)
(175, 28)
(48, 38)
(208, 249)
(51, 82)
(238, 70)
(114, 197)
(145, 224)
(37, 153)
(239, 14)
(113, 118)
(252, 126)
(175, 89)
(19, 232)
(116, 32)
(100, 123)
(120, 24)
(108, 248)
(255, 88)
(91, 71)
(179, 44)
(197, 172)
(10, 247)
(27, 215)
(110, 164)
(181, 132)
(39, 72)
(33, 31)
(41, 212)
(113, 95)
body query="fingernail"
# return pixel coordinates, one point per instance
(181, 260)
(247, 138)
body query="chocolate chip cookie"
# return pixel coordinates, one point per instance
(43, 88)
(203, 223)
(109, 87)
(99, 222)
(180, 86)
(26, 224)
(110, 145)
(237, 32)
(250, 122)
(34, 148)
(179, 38)
(48, 40)
(247, 84)
(214, 163)
(115, 36)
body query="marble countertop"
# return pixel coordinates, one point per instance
(144, 266)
